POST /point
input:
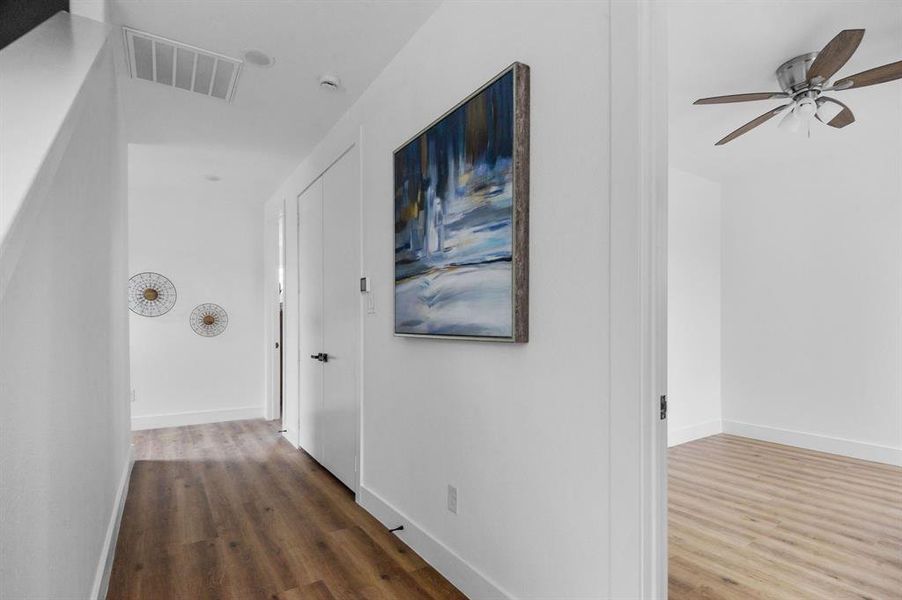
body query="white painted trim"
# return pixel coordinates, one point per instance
(196, 418)
(273, 223)
(455, 569)
(361, 325)
(637, 437)
(813, 441)
(694, 432)
(105, 565)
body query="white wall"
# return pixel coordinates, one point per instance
(812, 310)
(64, 433)
(211, 247)
(99, 10)
(693, 307)
(808, 346)
(520, 430)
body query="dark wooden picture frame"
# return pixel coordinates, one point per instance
(462, 267)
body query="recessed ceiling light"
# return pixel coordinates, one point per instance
(329, 82)
(212, 177)
(258, 58)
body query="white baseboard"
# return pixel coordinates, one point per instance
(455, 569)
(694, 432)
(196, 418)
(821, 443)
(105, 565)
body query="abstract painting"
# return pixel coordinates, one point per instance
(461, 218)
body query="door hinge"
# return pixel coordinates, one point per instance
(663, 407)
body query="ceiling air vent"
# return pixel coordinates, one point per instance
(155, 58)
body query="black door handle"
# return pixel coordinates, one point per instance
(322, 357)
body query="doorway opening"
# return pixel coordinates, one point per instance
(280, 361)
(274, 302)
(783, 349)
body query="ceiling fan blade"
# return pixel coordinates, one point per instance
(752, 124)
(834, 55)
(889, 72)
(741, 98)
(845, 117)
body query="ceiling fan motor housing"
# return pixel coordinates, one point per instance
(793, 74)
(804, 78)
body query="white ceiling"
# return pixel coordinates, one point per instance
(278, 113)
(728, 47)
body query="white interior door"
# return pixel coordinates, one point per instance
(341, 318)
(310, 318)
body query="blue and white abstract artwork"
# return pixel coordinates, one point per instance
(454, 221)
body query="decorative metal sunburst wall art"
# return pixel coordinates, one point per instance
(150, 294)
(209, 320)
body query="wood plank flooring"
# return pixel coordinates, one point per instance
(750, 519)
(231, 510)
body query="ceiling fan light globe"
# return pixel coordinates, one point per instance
(806, 108)
(791, 123)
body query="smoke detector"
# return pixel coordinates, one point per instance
(174, 64)
(329, 82)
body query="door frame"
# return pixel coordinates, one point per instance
(311, 172)
(638, 325)
(274, 227)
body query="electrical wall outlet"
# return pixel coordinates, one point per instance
(452, 499)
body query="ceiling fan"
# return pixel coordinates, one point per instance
(803, 80)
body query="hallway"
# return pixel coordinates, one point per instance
(231, 510)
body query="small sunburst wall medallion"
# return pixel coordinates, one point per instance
(209, 320)
(150, 294)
